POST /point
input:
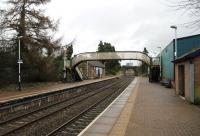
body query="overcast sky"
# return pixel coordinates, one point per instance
(127, 24)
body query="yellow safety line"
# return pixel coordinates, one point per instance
(119, 129)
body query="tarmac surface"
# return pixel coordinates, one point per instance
(147, 109)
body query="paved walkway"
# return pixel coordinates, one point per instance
(26, 92)
(158, 112)
(150, 110)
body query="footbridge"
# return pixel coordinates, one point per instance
(118, 55)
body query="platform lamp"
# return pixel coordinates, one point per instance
(175, 40)
(159, 47)
(64, 63)
(19, 63)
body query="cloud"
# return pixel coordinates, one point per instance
(127, 24)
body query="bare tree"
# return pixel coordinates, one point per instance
(192, 7)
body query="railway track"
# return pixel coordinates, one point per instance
(21, 115)
(74, 126)
(19, 107)
(30, 123)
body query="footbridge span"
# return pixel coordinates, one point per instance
(118, 55)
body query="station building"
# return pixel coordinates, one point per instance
(187, 76)
(92, 69)
(184, 46)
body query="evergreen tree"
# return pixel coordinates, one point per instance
(69, 51)
(145, 51)
(26, 18)
(144, 66)
(112, 66)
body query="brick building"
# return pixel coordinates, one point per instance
(187, 76)
(92, 69)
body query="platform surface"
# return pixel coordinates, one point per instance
(147, 109)
(13, 95)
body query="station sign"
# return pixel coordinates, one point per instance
(20, 61)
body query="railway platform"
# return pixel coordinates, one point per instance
(146, 109)
(6, 96)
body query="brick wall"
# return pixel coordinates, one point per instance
(91, 71)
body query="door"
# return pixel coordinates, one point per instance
(181, 78)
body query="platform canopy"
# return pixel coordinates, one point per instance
(118, 55)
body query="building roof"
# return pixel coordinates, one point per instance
(96, 64)
(178, 39)
(185, 37)
(187, 56)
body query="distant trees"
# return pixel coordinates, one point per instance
(112, 66)
(145, 51)
(144, 66)
(69, 51)
(26, 18)
(105, 47)
(66, 55)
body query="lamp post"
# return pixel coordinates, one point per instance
(175, 40)
(160, 62)
(19, 63)
(176, 49)
(64, 64)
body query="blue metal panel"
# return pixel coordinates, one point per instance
(184, 45)
(187, 44)
(167, 66)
